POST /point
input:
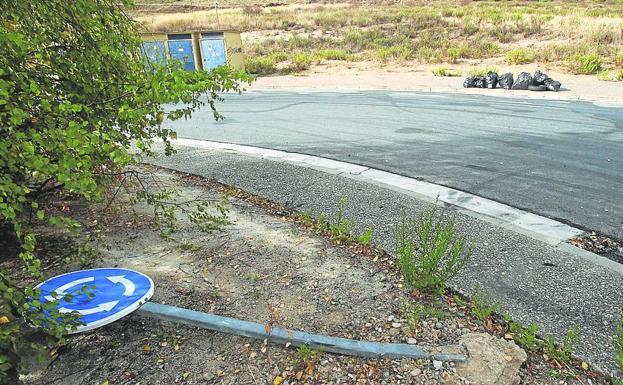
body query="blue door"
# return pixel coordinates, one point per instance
(182, 50)
(154, 51)
(213, 50)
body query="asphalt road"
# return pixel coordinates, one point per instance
(560, 159)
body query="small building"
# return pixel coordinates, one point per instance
(196, 50)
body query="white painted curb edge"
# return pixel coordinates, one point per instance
(535, 226)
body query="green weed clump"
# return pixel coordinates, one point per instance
(483, 304)
(261, 65)
(587, 64)
(618, 343)
(414, 314)
(519, 56)
(429, 251)
(563, 351)
(442, 71)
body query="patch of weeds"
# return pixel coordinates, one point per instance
(526, 337)
(300, 62)
(587, 64)
(519, 56)
(413, 314)
(483, 304)
(366, 237)
(206, 221)
(261, 65)
(442, 71)
(306, 354)
(563, 351)
(402, 52)
(429, 251)
(341, 229)
(187, 246)
(253, 277)
(482, 71)
(305, 217)
(334, 54)
(459, 301)
(618, 343)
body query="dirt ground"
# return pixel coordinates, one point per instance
(419, 77)
(264, 268)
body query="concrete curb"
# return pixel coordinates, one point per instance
(538, 227)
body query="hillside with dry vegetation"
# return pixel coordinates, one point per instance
(576, 37)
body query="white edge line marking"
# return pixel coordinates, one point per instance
(544, 229)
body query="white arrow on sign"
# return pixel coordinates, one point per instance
(106, 306)
(129, 285)
(61, 291)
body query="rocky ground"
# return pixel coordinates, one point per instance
(267, 267)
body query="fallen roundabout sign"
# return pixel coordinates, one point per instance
(101, 296)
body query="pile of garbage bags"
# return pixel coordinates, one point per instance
(524, 81)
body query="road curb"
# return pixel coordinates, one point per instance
(538, 227)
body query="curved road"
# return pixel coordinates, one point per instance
(560, 159)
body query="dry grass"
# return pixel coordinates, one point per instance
(430, 32)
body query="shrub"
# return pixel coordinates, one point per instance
(429, 251)
(261, 65)
(300, 62)
(587, 64)
(519, 56)
(76, 96)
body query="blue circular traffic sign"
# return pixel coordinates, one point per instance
(101, 296)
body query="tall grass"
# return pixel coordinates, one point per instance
(431, 32)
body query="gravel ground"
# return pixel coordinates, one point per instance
(533, 281)
(264, 268)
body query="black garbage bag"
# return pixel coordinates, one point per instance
(552, 85)
(470, 82)
(524, 80)
(474, 82)
(491, 80)
(506, 81)
(539, 78)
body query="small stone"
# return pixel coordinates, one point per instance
(438, 325)
(437, 364)
(396, 324)
(416, 372)
(411, 341)
(508, 358)
(368, 324)
(390, 318)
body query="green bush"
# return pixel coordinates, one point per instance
(429, 251)
(76, 96)
(587, 64)
(261, 65)
(519, 56)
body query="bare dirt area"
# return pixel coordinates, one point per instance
(419, 77)
(263, 267)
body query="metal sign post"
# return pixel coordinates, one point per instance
(105, 295)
